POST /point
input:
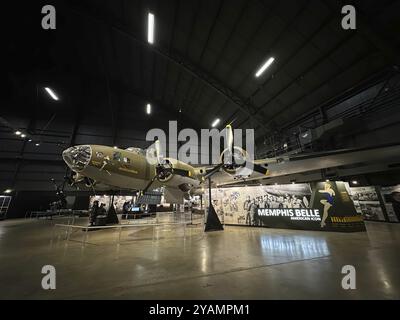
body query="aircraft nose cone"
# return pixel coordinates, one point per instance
(77, 158)
(67, 156)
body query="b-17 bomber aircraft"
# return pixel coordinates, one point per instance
(130, 169)
(104, 167)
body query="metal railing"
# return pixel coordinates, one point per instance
(386, 98)
(70, 225)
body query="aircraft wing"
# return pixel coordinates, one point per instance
(221, 177)
(288, 165)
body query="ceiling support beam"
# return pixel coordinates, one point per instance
(185, 54)
(288, 27)
(276, 114)
(359, 87)
(210, 31)
(175, 58)
(170, 45)
(301, 47)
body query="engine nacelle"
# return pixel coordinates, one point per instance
(164, 172)
(176, 172)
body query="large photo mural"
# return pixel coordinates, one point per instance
(238, 205)
(326, 206)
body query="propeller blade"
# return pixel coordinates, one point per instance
(159, 155)
(213, 171)
(229, 139)
(163, 171)
(149, 184)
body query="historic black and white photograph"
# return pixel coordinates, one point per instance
(367, 203)
(238, 205)
(391, 196)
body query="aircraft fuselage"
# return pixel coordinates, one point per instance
(123, 169)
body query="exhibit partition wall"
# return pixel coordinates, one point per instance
(319, 206)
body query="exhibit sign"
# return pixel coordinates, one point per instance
(325, 206)
(294, 218)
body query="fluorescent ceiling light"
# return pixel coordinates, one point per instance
(23, 135)
(148, 108)
(8, 191)
(37, 144)
(18, 133)
(264, 66)
(354, 182)
(150, 28)
(215, 123)
(51, 93)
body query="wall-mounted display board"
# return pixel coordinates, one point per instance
(391, 201)
(322, 206)
(367, 202)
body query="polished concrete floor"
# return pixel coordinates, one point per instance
(238, 263)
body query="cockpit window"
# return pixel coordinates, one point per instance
(137, 150)
(77, 157)
(117, 156)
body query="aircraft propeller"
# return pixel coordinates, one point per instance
(164, 168)
(232, 156)
(159, 155)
